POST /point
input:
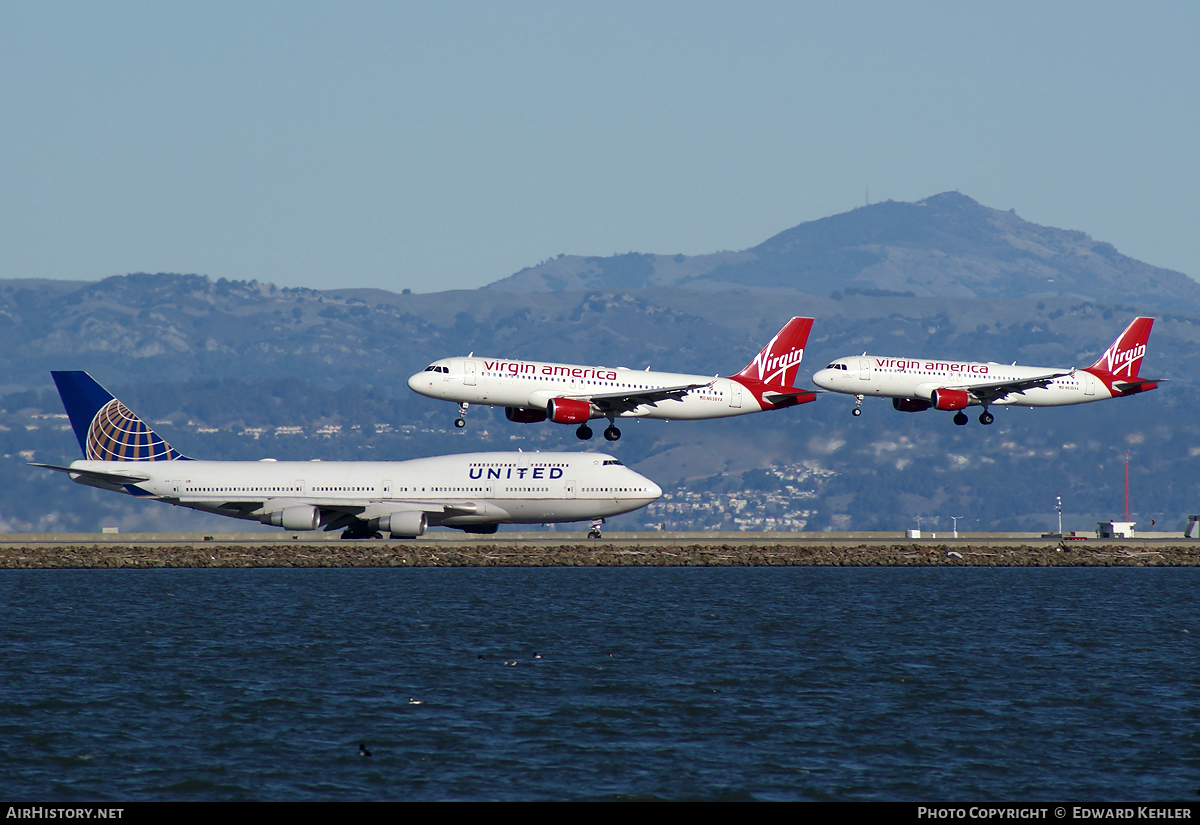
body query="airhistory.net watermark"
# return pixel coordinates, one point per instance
(39, 812)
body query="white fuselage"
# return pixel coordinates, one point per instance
(917, 378)
(531, 384)
(472, 488)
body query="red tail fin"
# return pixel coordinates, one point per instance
(1123, 358)
(779, 360)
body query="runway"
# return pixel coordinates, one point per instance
(240, 550)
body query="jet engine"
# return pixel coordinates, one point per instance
(300, 517)
(910, 404)
(949, 399)
(568, 411)
(524, 415)
(407, 524)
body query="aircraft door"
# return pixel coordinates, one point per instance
(864, 369)
(1089, 384)
(735, 394)
(568, 488)
(385, 488)
(469, 373)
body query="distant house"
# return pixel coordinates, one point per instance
(1115, 529)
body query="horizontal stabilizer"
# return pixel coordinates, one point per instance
(1137, 385)
(795, 396)
(98, 475)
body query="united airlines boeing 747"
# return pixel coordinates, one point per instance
(473, 492)
(916, 384)
(532, 391)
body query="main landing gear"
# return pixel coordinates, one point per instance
(857, 411)
(594, 531)
(985, 418)
(611, 432)
(461, 421)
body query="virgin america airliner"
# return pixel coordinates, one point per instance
(532, 391)
(916, 384)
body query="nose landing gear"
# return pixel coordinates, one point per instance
(461, 421)
(594, 531)
(857, 411)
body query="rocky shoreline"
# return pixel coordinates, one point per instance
(594, 554)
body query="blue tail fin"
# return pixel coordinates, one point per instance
(106, 429)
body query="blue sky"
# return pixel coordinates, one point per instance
(447, 145)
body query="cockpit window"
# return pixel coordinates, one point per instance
(436, 368)
(612, 461)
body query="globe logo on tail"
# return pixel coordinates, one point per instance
(116, 434)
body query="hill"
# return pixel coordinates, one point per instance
(947, 245)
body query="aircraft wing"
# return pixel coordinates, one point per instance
(619, 402)
(346, 506)
(345, 510)
(98, 475)
(364, 510)
(991, 393)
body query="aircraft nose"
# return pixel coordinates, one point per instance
(821, 378)
(412, 382)
(652, 490)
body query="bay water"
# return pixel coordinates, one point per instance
(929, 685)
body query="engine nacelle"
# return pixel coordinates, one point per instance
(300, 517)
(910, 404)
(524, 415)
(949, 399)
(407, 524)
(568, 411)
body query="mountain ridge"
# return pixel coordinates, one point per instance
(946, 245)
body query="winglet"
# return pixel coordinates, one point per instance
(106, 429)
(779, 360)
